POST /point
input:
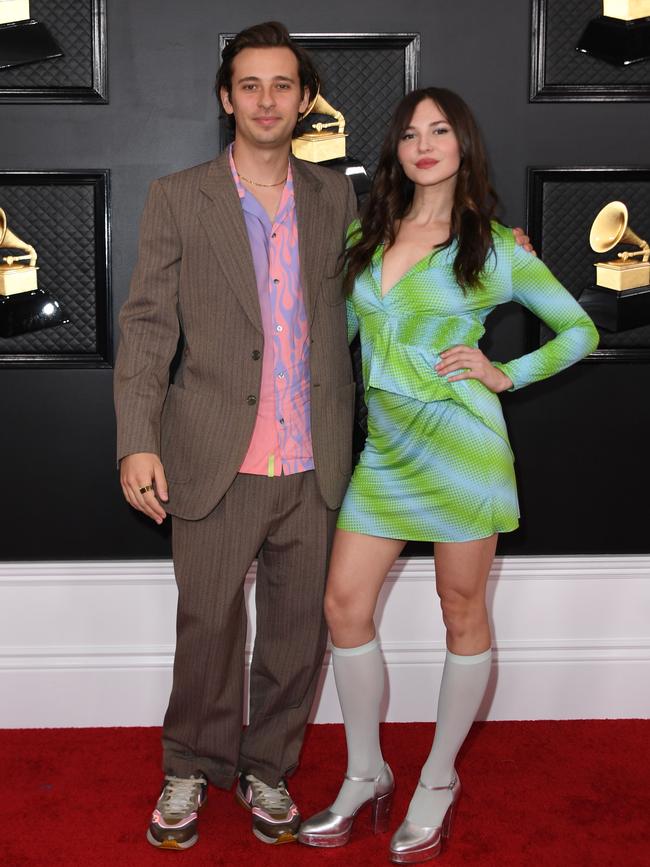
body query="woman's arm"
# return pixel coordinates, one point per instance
(353, 234)
(536, 288)
(353, 319)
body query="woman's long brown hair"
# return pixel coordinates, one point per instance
(391, 195)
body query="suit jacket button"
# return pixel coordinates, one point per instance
(251, 399)
(256, 354)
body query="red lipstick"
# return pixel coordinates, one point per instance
(426, 163)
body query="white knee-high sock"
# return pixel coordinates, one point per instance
(464, 680)
(359, 675)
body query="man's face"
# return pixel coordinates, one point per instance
(266, 96)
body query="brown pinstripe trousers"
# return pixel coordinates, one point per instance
(286, 524)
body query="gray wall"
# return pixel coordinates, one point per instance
(580, 439)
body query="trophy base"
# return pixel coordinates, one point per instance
(354, 170)
(16, 279)
(622, 275)
(318, 147)
(616, 41)
(29, 311)
(26, 42)
(616, 310)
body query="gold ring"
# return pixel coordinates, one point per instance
(146, 488)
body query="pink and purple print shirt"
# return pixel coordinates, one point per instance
(281, 441)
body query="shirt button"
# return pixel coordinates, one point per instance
(281, 375)
(276, 281)
(278, 328)
(251, 400)
(256, 355)
(281, 420)
(274, 235)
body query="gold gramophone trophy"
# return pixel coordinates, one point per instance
(621, 35)
(23, 306)
(15, 278)
(609, 229)
(320, 146)
(621, 297)
(23, 40)
(326, 145)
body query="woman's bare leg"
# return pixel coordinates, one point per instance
(358, 568)
(462, 570)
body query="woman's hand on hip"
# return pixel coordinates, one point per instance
(467, 363)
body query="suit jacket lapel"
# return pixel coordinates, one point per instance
(223, 220)
(314, 218)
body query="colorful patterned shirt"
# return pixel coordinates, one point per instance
(281, 441)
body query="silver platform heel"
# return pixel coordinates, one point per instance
(328, 830)
(412, 843)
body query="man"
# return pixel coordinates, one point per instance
(249, 448)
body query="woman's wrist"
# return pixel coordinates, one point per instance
(505, 382)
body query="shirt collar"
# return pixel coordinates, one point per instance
(287, 201)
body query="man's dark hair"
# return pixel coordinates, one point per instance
(270, 34)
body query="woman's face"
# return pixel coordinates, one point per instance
(428, 149)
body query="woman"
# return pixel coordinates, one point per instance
(425, 268)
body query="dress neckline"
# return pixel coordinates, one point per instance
(378, 263)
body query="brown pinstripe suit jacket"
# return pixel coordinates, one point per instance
(195, 275)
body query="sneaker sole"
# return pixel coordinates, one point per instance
(285, 837)
(171, 844)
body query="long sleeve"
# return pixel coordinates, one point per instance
(353, 319)
(150, 330)
(536, 288)
(352, 234)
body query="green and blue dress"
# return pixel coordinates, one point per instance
(437, 464)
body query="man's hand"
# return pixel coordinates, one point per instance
(142, 477)
(523, 240)
(475, 365)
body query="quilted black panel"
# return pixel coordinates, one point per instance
(70, 22)
(569, 208)
(59, 221)
(565, 23)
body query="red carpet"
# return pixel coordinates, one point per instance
(535, 793)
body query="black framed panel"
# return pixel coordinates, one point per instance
(561, 73)
(79, 75)
(363, 75)
(562, 205)
(65, 216)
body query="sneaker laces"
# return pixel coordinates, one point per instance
(272, 799)
(180, 795)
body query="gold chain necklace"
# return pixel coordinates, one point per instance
(256, 184)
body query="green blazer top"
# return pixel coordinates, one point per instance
(426, 312)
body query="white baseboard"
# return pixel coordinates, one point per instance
(91, 643)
